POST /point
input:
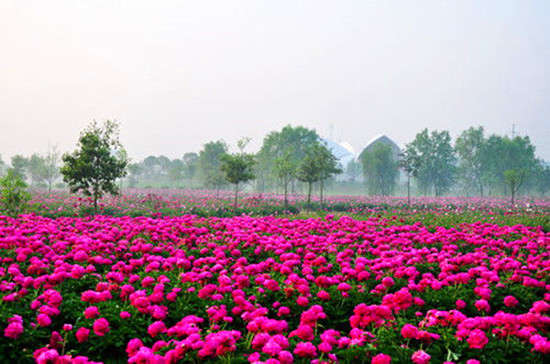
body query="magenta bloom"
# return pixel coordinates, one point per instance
(157, 327)
(306, 350)
(510, 301)
(477, 339)
(101, 327)
(381, 359)
(91, 312)
(43, 320)
(13, 330)
(82, 334)
(420, 357)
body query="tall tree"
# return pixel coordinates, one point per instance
(511, 154)
(353, 170)
(175, 171)
(96, 164)
(35, 166)
(318, 165)
(289, 145)
(237, 169)
(19, 165)
(50, 168)
(436, 160)
(210, 164)
(470, 147)
(410, 163)
(190, 166)
(380, 169)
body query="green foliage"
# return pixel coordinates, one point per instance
(436, 160)
(210, 163)
(471, 148)
(13, 194)
(97, 162)
(380, 169)
(237, 169)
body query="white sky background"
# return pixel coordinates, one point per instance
(180, 74)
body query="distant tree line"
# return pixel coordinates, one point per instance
(296, 160)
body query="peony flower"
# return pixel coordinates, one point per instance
(381, 359)
(420, 357)
(82, 334)
(477, 339)
(101, 327)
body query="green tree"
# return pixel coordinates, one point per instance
(19, 165)
(49, 170)
(175, 171)
(35, 166)
(542, 178)
(282, 152)
(238, 168)
(96, 163)
(13, 194)
(354, 170)
(210, 164)
(318, 165)
(410, 163)
(380, 169)
(470, 147)
(511, 154)
(190, 166)
(436, 160)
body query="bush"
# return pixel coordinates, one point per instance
(13, 194)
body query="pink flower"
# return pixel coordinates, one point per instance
(306, 349)
(473, 361)
(483, 305)
(156, 328)
(43, 320)
(381, 359)
(82, 334)
(125, 315)
(477, 339)
(420, 357)
(101, 327)
(510, 301)
(409, 331)
(13, 330)
(302, 301)
(91, 312)
(460, 304)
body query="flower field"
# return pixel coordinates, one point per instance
(270, 289)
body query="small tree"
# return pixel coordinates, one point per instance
(410, 162)
(13, 194)
(514, 179)
(50, 168)
(237, 169)
(96, 163)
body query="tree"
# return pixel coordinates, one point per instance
(289, 145)
(190, 166)
(210, 164)
(354, 170)
(410, 163)
(328, 165)
(13, 194)
(19, 165)
(436, 160)
(50, 167)
(237, 169)
(319, 164)
(470, 147)
(514, 178)
(542, 178)
(511, 154)
(175, 171)
(380, 169)
(96, 163)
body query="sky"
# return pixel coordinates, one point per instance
(178, 74)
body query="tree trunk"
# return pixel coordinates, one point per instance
(236, 193)
(285, 185)
(409, 190)
(321, 192)
(309, 194)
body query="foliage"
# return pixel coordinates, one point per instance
(380, 169)
(96, 163)
(13, 194)
(471, 148)
(210, 164)
(436, 160)
(237, 169)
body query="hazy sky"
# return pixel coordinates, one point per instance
(179, 74)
